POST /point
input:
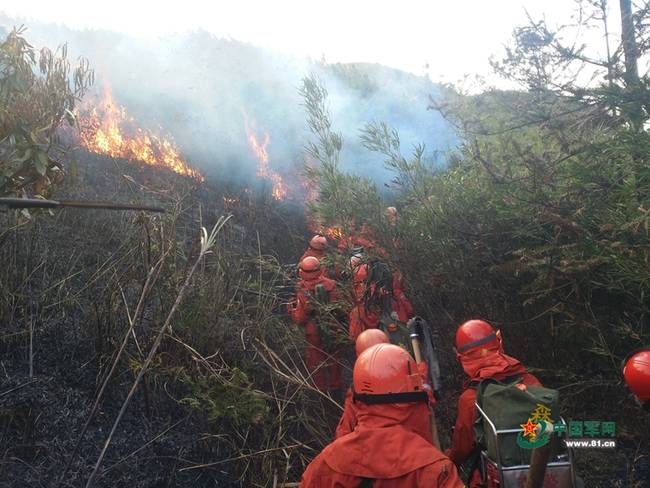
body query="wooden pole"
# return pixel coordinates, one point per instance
(539, 458)
(537, 468)
(415, 343)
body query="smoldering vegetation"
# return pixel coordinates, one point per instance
(226, 400)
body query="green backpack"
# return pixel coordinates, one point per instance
(508, 407)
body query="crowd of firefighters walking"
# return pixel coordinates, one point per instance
(385, 436)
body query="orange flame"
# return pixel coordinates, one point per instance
(279, 190)
(335, 233)
(104, 129)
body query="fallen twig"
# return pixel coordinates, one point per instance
(238, 458)
(17, 388)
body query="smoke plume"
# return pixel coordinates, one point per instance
(203, 90)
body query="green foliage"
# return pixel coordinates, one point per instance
(232, 399)
(38, 92)
(342, 196)
(540, 221)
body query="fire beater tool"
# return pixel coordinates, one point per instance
(424, 350)
(42, 203)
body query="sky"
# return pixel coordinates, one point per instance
(445, 39)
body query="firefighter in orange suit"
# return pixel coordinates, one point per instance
(348, 419)
(386, 448)
(362, 316)
(324, 366)
(480, 352)
(317, 247)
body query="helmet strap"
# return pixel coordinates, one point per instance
(385, 398)
(479, 342)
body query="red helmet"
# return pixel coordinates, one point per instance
(318, 242)
(637, 374)
(309, 268)
(369, 338)
(475, 333)
(386, 373)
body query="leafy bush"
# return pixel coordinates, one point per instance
(38, 92)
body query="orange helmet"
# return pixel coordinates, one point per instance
(309, 268)
(318, 242)
(386, 373)
(474, 333)
(637, 375)
(369, 338)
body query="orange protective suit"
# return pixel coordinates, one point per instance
(317, 253)
(389, 447)
(401, 304)
(348, 420)
(495, 365)
(324, 366)
(362, 238)
(362, 318)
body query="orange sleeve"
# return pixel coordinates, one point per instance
(354, 324)
(463, 440)
(348, 420)
(299, 309)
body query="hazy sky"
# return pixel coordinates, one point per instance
(453, 38)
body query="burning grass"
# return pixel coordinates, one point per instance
(260, 150)
(107, 128)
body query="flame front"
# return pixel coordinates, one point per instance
(106, 128)
(335, 233)
(279, 190)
